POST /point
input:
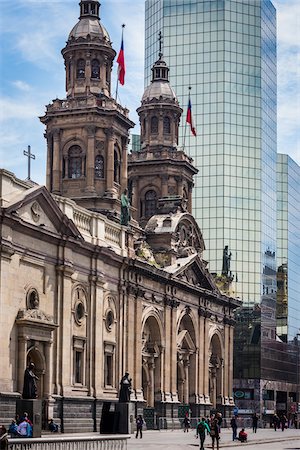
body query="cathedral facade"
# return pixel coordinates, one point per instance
(88, 299)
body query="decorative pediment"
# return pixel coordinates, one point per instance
(185, 342)
(195, 273)
(35, 315)
(37, 207)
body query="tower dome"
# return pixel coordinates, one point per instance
(88, 54)
(89, 25)
(159, 88)
(159, 112)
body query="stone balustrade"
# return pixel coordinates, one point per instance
(97, 442)
(94, 227)
(164, 153)
(91, 101)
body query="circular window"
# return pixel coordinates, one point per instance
(109, 320)
(79, 312)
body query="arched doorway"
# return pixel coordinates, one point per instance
(151, 361)
(215, 371)
(35, 330)
(186, 360)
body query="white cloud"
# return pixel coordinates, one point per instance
(19, 84)
(18, 109)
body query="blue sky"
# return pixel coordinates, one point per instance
(33, 32)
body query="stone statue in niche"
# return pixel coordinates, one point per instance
(30, 379)
(33, 300)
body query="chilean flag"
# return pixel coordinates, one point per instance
(121, 62)
(189, 118)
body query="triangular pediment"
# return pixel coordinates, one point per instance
(37, 207)
(192, 270)
(185, 342)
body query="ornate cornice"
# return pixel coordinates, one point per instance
(171, 302)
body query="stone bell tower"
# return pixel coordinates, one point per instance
(160, 175)
(87, 133)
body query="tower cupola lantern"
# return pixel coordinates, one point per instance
(89, 8)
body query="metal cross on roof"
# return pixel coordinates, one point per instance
(29, 156)
(160, 40)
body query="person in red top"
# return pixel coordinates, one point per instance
(243, 435)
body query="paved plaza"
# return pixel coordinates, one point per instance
(264, 439)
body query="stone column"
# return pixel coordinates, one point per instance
(160, 128)
(97, 376)
(230, 362)
(88, 73)
(173, 355)
(90, 159)
(22, 355)
(164, 187)
(186, 364)
(49, 368)
(135, 196)
(56, 163)
(201, 387)
(110, 189)
(151, 368)
(49, 162)
(137, 374)
(226, 361)
(179, 185)
(206, 359)
(124, 176)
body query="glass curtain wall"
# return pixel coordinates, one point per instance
(226, 51)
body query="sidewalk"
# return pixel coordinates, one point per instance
(175, 440)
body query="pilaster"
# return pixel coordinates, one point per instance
(56, 171)
(90, 159)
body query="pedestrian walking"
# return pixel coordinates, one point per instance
(202, 429)
(186, 423)
(139, 426)
(276, 422)
(283, 421)
(254, 422)
(233, 425)
(215, 433)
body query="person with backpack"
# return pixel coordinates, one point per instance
(215, 432)
(202, 429)
(139, 426)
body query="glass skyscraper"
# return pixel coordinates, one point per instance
(288, 249)
(226, 51)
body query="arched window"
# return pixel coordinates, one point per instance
(99, 166)
(116, 166)
(75, 162)
(144, 127)
(150, 203)
(80, 68)
(95, 69)
(167, 125)
(154, 124)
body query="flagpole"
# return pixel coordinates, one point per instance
(117, 87)
(186, 121)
